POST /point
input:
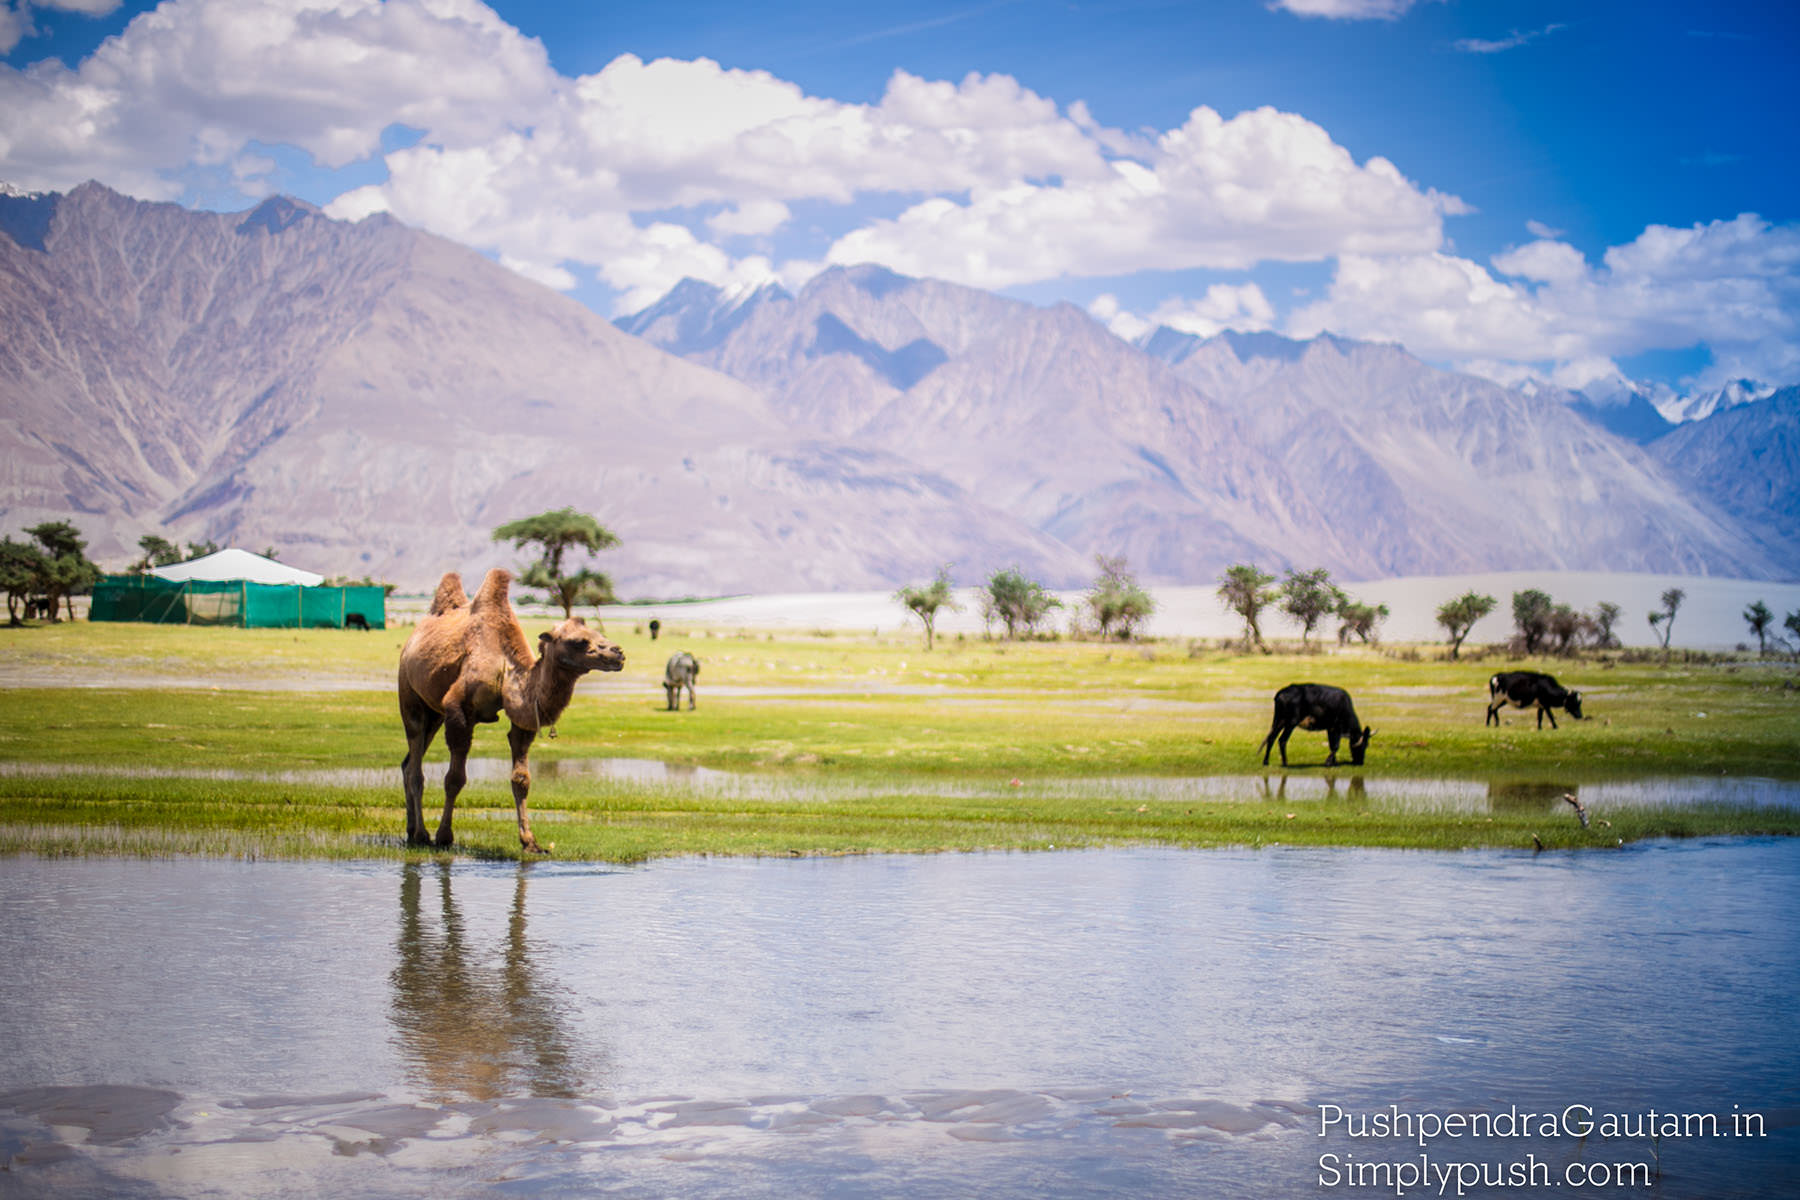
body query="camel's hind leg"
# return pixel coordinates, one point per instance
(459, 735)
(520, 741)
(421, 723)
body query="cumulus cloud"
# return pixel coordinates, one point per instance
(191, 81)
(1731, 285)
(1224, 306)
(1214, 193)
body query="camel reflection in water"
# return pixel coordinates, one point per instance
(476, 1019)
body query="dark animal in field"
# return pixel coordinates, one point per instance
(468, 662)
(681, 672)
(1322, 707)
(1523, 689)
(655, 628)
(356, 621)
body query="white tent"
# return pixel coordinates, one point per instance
(237, 564)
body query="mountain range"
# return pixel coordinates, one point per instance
(371, 399)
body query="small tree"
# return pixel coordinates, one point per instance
(1563, 626)
(1359, 620)
(1664, 622)
(557, 533)
(1307, 596)
(1246, 591)
(158, 552)
(66, 572)
(1605, 616)
(1758, 617)
(1458, 616)
(1116, 599)
(1791, 623)
(924, 602)
(22, 568)
(200, 550)
(1531, 617)
(1018, 602)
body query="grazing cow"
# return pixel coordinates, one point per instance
(356, 621)
(681, 672)
(1522, 689)
(1317, 706)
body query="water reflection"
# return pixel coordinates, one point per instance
(1513, 796)
(1276, 788)
(472, 1022)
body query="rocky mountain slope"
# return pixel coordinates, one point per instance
(370, 399)
(367, 398)
(1745, 458)
(1186, 454)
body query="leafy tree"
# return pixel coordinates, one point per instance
(924, 601)
(158, 552)
(556, 534)
(1307, 596)
(1531, 617)
(1458, 616)
(200, 550)
(1758, 617)
(579, 587)
(1564, 625)
(1115, 599)
(22, 568)
(1605, 616)
(1664, 622)
(1360, 620)
(1018, 602)
(1791, 623)
(67, 573)
(1246, 591)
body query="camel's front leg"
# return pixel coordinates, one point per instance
(520, 741)
(421, 724)
(459, 734)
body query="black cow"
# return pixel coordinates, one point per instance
(1522, 689)
(1317, 706)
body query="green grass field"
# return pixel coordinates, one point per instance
(128, 739)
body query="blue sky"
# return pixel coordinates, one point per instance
(1552, 190)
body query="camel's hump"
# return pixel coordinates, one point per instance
(450, 595)
(494, 589)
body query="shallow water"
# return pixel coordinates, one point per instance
(1378, 793)
(1111, 1023)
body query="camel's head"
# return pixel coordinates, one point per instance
(574, 647)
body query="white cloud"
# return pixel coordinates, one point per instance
(1538, 229)
(1224, 306)
(1511, 41)
(1345, 10)
(750, 218)
(1215, 193)
(191, 80)
(1733, 286)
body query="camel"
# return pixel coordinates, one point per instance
(465, 664)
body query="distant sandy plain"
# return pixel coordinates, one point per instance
(1711, 616)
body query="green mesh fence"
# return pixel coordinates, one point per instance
(249, 605)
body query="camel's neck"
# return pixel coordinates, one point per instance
(544, 691)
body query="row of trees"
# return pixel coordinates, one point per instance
(1309, 597)
(1115, 604)
(49, 570)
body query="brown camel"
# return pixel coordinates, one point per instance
(465, 664)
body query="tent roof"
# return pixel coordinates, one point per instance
(236, 564)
